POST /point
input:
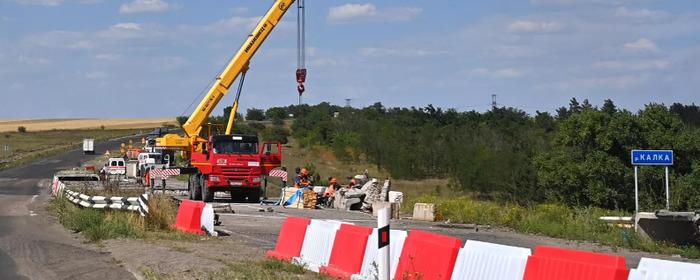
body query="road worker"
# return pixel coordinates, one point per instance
(303, 180)
(332, 187)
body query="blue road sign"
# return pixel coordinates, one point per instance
(652, 157)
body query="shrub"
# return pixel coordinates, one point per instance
(21, 129)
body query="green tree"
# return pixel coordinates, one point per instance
(254, 114)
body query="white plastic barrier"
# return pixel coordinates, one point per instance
(487, 261)
(653, 269)
(369, 263)
(318, 244)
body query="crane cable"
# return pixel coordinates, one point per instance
(301, 48)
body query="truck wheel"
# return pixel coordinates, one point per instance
(196, 190)
(254, 195)
(189, 188)
(207, 193)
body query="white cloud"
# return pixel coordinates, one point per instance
(96, 75)
(526, 26)
(142, 6)
(384, 52)
(640, 13)
(638, 65)
(32, 61)
(54, 2)
(369, 12)
(239, 10)
(504, 73)
(108, 56)
(643, 44)
(351, 11)
(127, 26)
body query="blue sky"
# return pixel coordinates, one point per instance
(152, 58)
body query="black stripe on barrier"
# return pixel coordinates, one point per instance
(383, 236)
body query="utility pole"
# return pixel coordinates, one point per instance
(494, 104)
(347, 102)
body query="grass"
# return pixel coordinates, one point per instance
(98, 224)
(30, 146)
(551, 220)
(264, 270)
(267, 269)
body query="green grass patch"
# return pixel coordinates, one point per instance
(264, 270)
(551, 220)
(101, 224)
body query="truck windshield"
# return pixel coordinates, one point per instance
(235, 147)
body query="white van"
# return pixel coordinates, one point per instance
(116, 166)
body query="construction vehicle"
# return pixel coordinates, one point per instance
(228, 162)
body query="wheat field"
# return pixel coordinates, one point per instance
(7, 125)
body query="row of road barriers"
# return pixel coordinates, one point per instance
(347, 251)
(140, 203)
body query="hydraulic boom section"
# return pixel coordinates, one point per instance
(221, 86)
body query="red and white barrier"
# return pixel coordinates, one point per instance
(551, 263)
(348, 251)
(318, 244)
(424, 255)
(369, 264)
(427, 256)
(291, 239)
(488, 261)
(653, 269)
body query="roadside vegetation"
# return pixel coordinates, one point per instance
(267, 269)
(553, 220)
(553, 175)
(24, 147)
(99, 224)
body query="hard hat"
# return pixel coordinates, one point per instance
(304, 171)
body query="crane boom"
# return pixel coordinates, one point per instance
(235, 67)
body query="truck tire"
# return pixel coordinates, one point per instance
(207, 193)
(196, 190)
(189, 188)
(254, 195)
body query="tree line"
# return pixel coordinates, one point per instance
(580, 156)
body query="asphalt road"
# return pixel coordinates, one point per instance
(32, 244)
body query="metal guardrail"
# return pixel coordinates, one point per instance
(139, 203)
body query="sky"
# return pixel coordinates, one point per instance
(153, 58)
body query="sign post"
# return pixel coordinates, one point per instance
(651, 158)
(384, 255)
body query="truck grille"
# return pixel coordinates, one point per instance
(231, 171)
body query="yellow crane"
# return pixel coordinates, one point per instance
(236, 67)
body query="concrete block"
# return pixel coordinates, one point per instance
(424, 212)
(676, 227)
(395, 208)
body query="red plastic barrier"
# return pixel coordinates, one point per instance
(551, 263)
(189, 216)
(427, 256)
(291, 239)
(348, 251)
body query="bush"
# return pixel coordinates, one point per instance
(21, 129)
(254, 114)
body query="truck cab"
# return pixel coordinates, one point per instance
(234, 163)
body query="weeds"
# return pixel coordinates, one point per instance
(551, 220)
(263, 270)
(102, 224)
